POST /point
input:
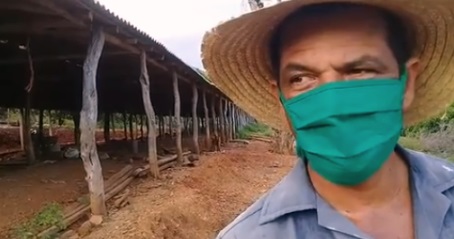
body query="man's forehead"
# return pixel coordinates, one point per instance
(348, 17)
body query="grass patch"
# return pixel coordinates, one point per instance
(50, 215)
(411, 143)
(255, 129)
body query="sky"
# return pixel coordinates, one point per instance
(177, 24)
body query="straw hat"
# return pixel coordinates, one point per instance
(235, 55)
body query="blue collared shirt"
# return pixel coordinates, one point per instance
(293, 210)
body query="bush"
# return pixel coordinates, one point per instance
(439, 142)
(255, 129)
(411, 143)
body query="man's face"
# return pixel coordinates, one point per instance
(349, 45)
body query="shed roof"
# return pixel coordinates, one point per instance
(58, 32)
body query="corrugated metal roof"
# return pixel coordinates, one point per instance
(142, 36)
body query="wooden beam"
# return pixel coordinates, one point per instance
(195, 120)
(24, 7)
(151, 117)
(176, 94)
(35, 25)
(21, 60)
(88, 124)
(112, 39)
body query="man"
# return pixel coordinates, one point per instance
(348, 77)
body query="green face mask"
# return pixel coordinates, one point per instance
(346, 130)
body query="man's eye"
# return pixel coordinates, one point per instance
(362, 71)
(298, 79)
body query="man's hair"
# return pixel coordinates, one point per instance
(397, 34)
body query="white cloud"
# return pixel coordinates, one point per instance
(178, 24)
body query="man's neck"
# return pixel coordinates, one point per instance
(384, 186)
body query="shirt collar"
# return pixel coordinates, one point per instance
(295, 192)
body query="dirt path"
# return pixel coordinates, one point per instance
(196, 203)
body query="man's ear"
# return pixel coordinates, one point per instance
(274, 89)
(413, 70)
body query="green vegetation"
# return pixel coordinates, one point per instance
(50, 215)
(434, 136)
(255, 129)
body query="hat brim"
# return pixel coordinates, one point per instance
(235, 56)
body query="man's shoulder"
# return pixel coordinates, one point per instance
(246, 223)
(438, 171)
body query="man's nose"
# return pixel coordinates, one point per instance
(331, 76)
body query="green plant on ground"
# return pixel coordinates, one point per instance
(255, 129)
(50, 215)
(411, 143)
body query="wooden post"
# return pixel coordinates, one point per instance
(88, 120)
(207, 122)
(131, 129)
(28, 142)
(234, 117)
(106, 127)
(227, 117)
(21, 129)
(222, 121)
(176, 93)
(112, 123)
(50, 123)
(151, 117)
(76, 120)
(141, 128)
(195, 120)
(125, 128)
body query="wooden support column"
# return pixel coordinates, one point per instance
(106, 127)
(227, 117)
(77, 133)
(216, 142)
(195, 120)
(125, 128)
(141, 128)
(222, 121)
(131, 128)
(88, 121)
(151, 117)
(28, 142)
(112, 123)
(234, 120)
(176, 94)
(207, 122)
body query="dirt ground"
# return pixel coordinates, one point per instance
(187, 203)
(195, 203)
(24, 191)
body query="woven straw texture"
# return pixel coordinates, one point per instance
(235, 55)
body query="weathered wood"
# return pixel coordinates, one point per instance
(207, 121)
(195, 120)
(50, 123)
(227, 121)
(151, 117)
(125, 128)
(106, 127)
(76, 120)
(28, 142)
(234, 121)
(21, 129)
(176, 93)
(214, 117)
(131, 129)
(88, 121)
(222, 121)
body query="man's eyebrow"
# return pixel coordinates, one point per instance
(365, 60)
(293, 66)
